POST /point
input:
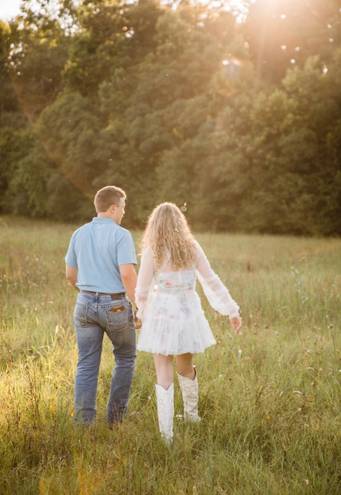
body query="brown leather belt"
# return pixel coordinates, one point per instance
(117, 295)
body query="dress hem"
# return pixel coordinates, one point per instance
(188, 351)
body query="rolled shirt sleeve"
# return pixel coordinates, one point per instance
(126, 250)
(70, 257)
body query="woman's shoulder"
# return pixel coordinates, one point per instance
(198, 250)
(196, 243)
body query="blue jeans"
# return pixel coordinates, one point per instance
(94, 315)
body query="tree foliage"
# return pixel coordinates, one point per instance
(239, 120)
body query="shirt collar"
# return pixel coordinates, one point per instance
(102, 220)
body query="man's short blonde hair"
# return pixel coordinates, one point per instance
(107, 196)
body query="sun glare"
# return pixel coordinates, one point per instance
(9, 8)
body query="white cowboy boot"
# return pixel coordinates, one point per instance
(190, 396)
(165, 411)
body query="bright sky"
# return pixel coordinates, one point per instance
(10, 8)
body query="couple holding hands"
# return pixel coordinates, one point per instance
(100, 263)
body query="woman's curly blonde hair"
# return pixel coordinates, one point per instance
(167, 233)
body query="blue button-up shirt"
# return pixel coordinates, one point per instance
(96, 250)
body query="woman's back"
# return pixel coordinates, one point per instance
(175, 281)
(164, 278)
(173, 321)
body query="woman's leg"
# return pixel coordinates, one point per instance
(184, 365)
(189, 386)
(165, 395)
(164, 370)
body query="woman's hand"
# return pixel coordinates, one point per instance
(137, 320)
(138, 323)
(236, 324)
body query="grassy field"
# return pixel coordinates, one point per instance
(270, 399)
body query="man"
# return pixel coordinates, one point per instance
(100, 262)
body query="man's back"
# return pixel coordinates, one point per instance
(101, 261)
(96, 250)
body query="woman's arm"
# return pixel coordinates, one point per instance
(217, 294)
(144, 280)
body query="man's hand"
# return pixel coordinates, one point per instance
(137, 322)
(236, 324)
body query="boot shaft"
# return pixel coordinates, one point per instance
(190, 396)
(165, 411)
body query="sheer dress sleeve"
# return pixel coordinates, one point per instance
(217, 294)
(144, 281)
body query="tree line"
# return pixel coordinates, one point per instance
(238, 120)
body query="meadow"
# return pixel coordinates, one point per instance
(270, 399)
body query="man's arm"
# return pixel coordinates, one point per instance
(71, 275)
(129, 277)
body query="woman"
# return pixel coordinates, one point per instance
(173, 322)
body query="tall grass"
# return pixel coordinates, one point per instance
(270, 399)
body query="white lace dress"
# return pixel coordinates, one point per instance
(173, 321)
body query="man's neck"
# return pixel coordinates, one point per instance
(106, 215)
